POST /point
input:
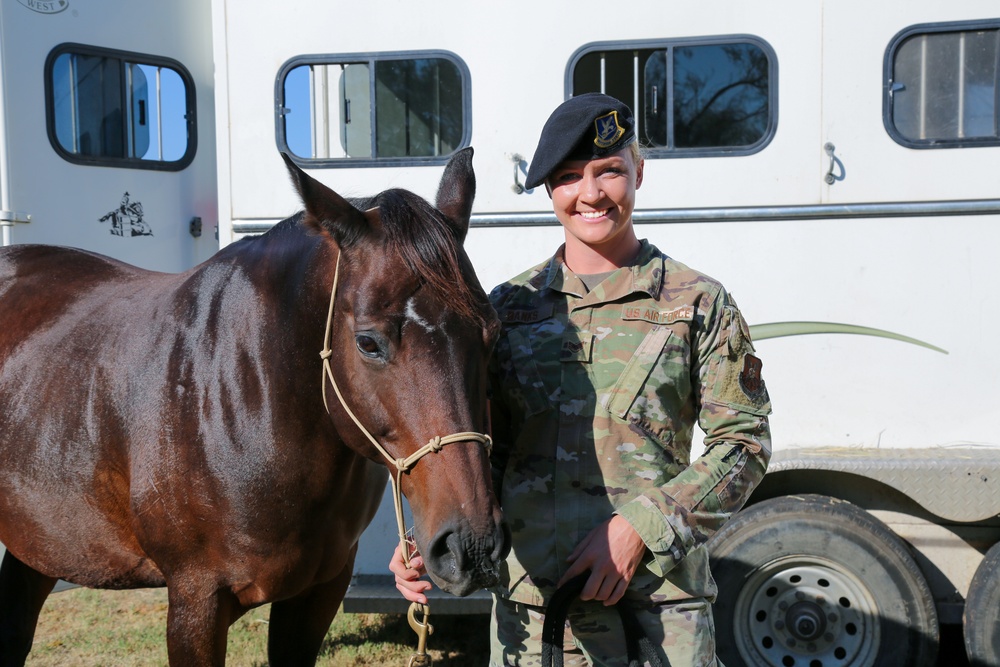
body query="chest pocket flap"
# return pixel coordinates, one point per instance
(619, 400)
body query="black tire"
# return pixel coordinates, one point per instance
(981, 619)
(812, 581)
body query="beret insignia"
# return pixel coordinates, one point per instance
(609, 130)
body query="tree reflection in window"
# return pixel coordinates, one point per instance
(375, 109)
(418, 107)
(708, 98)
(720, 95)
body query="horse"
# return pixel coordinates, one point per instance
(174, 430)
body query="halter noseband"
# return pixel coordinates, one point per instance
(400, 464)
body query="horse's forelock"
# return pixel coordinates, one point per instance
(427, 242)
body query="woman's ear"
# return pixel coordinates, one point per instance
(638, 173)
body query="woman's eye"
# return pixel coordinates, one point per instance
(367, 346)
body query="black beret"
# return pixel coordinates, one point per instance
(584, 127)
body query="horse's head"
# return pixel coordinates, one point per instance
(410, 336)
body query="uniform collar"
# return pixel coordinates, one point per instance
(644, 275)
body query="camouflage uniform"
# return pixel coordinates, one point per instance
(595, 397)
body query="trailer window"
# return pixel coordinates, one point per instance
(118, 109)
(941, 87)
(704, 97)
(373, 110)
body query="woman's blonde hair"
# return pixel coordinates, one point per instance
(638, 154)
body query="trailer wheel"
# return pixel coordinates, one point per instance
(815, 581)
(980, 621)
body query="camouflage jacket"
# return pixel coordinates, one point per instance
(594, 401)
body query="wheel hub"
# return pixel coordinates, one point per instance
(806, 620)
(814, 614)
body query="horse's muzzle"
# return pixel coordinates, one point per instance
(461, 562)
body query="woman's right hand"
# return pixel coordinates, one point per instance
(408, 580)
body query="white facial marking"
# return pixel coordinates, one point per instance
(411, 315)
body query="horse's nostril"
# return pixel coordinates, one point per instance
(446, 553)
(457, 552)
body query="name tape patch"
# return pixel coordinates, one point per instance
(526, 315)
(682, 314)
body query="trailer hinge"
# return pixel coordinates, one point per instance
(10, 217)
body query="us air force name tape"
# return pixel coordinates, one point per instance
(584, 127)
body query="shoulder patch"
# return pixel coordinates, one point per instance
(750, 378)
(656, 316)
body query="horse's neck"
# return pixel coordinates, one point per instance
(278, 285)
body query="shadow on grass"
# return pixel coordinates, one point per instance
(387, 639)
(456, 639)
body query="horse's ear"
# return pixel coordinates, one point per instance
(457, 191)
(325, 209)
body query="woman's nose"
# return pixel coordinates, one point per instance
(590, 188)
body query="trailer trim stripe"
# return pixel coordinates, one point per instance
(726, 214)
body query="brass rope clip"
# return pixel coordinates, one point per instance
(423, 629)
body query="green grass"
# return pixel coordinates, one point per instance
(89, 628)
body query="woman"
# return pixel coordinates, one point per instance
(610, 353)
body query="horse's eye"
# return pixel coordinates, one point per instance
(368, 346)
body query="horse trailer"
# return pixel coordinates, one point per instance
(833, 163)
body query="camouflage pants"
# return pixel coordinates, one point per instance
(594, 635)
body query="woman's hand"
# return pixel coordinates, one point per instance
(612, 552)
(408, 581)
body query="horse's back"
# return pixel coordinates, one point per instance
(33, 277)
(15, 257)
(31, 261)
(51, 297)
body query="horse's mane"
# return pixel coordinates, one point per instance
(427, 241)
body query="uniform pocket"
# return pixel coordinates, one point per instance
(729, 487)
(622, 396)
(654, 388)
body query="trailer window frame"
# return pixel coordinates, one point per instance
(134, 112)
(639, 98)
(370, 65)
(891, 88)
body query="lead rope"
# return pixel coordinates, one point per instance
(421, 627)
(639, 647)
